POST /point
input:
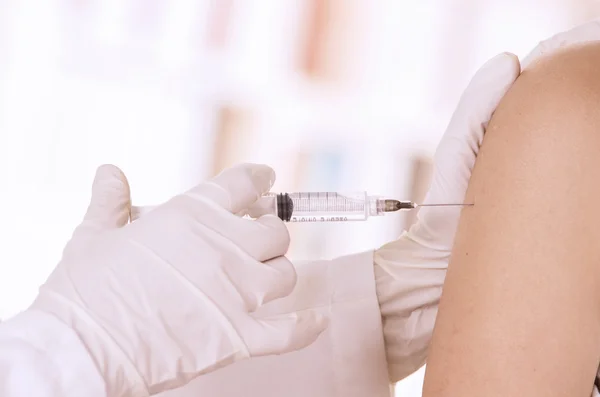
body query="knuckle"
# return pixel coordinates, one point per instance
(278, 233)
(282, 277)
(174, 214)
(287, 277)
(239, 172)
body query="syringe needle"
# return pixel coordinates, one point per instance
(444, 205)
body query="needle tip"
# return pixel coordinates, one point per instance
(445, 205)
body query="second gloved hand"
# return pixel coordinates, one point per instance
(170, 297)
(410, 271)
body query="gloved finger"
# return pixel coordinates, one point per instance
(110, 203)
(264, 238)
(236, 188)
(270, 238)
(585, 33)
(263, 206)
(260, 283)
(286, 333)
(280, 280)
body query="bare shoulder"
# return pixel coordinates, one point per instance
(541, 151)
(545, 130)
(561, 89)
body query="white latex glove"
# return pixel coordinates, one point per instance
(169, 297)
(411, 270)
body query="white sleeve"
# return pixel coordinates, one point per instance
(382, 310)
(42, 357)
(348, 359)
(409, 280)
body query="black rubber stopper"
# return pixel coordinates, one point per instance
(285, 207)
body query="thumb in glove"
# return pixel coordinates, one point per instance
(109, 206)
(458, 149)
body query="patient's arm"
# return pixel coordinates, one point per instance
(520, 311)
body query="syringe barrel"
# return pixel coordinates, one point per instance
(326, 206)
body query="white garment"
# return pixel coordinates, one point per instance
(42, 357)
(348, 359)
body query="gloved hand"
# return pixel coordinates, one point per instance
(410, 271)
(169, 297)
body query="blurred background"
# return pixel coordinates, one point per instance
(343, 95)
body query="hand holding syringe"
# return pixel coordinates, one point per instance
(322, 206)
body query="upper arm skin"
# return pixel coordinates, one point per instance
(520, 310)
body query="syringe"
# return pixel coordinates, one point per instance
(332, 206)
(322, 206)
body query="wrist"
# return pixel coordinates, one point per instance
(113, 366)
(408, 282)
(51, 352)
